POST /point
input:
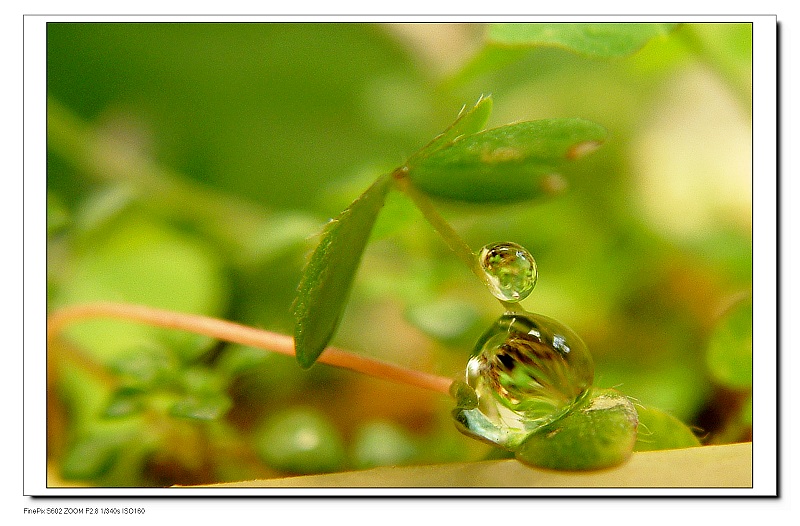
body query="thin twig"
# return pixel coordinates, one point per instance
(242, 334)
(448, 234)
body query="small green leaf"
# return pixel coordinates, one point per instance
(261, 374)
(145, 366)
(205, 397)
(202, 381)
(730, 347)
(328, 276)
(597, 435)
(510, 163)
(125, 401)
(465, 396)
(201, 407)
(468, 121)
(660, 430)
(601, 40)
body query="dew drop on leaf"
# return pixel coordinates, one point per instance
(510, 270)
(531, 365)
(526, 371)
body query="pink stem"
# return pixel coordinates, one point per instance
(242, 334)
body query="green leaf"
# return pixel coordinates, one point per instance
(600, 40)
(510, 163)
(465, 396)
(145, 366)
(208, 406)
(660, 430)
(488, 59)
(510, 43)
(468, 121)
(125, 401)
(730, 347)
(205, 397)
(328, 276)
(599, 434)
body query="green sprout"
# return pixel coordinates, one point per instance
(538, 370)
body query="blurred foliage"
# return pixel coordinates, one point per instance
(300, 440)
(190, 166)
(730, 347)
(599, 40)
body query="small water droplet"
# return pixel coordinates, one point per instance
(510, 270)
(527, 370)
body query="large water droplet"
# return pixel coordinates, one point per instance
(527, 371)
(510, 270)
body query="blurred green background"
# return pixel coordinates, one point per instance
(191, 164)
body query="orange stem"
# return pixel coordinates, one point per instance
(242, 334)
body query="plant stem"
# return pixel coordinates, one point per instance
(443, 228)
(242, 334)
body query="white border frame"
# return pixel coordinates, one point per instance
(765, 457)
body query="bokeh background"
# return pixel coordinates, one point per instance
(190, 166)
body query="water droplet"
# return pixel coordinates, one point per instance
(510, 270)
(527, 371)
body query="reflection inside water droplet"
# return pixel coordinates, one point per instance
(510, 270)
(527, 371)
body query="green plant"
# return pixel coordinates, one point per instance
(187, 388)
(568, 425)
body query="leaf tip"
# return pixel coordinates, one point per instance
(305, 352)
(305, 358)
